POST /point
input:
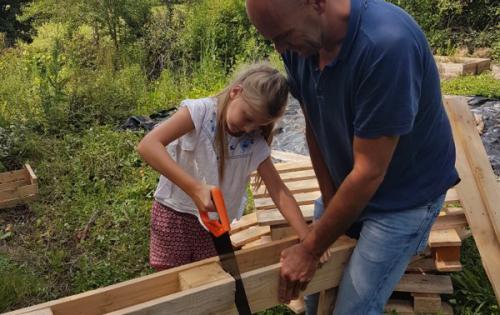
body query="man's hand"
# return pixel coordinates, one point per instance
(297, 270)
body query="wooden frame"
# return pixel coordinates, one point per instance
(454, 66)
(18, 187)
(160, 293)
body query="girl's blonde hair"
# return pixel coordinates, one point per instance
(265, 89)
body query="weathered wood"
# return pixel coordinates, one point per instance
(251, 234)
(426, 303)
(12, 176)
(274, 216)
(204, 274)
(415, 283)
(422, 266)
(471, 196)
(13, 185)
(404, 307)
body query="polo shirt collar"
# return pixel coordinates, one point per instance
(352, 29)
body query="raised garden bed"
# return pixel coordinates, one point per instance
(454, 66)
(18, 187)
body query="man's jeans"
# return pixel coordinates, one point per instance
(387, 242)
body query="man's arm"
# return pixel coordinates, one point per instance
(299, 262)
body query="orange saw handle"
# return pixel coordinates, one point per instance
(221, 226)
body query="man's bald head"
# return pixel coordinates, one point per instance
(290, 24)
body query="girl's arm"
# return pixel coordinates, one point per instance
(152, 149)
(282, 197)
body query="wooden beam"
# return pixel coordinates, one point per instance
(472, 190)
(249, 235)
(244, 222)
(261, 287)
(302, 199)
(415, 283)
(274, 216)
(426, 303)
(204, 274)
(156, 285)
(442, 238)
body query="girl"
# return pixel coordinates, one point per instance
(216, 141)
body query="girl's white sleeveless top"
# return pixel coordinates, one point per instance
(196, 154)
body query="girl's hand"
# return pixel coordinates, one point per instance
(203, 198)
(326, 256)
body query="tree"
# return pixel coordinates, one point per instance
(11, 25)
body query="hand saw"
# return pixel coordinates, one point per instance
(219, 230)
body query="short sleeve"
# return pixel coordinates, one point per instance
(261, 152)
(387, 98)
(197, 110)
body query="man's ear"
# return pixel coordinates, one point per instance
(318, 5)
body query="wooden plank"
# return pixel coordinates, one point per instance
(261, 287)
(211, 298)
(279, 232)
(12, 176)
(244, 222)
(426, 303)
(163, 283)
(298, 175)
(293, 167)
(31, 175)
(467, 137)
(326, 301)
(290, 156)
(404, 307)
(45, 311)
(262, 240)
(274, 216)
(451, 196)
(447, 258)
(422, 266)
(302, 199)
(447, 237)
(297, 306)
(199, 276)
(295, 187)
(449, 221)
(415, 283)
(471, 197)
(251, 234)
(13, 185)
(156, 285)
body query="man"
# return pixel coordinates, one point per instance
(378, 136)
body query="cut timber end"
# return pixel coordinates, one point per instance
(426, 303)
(196, 277)
(446, 237)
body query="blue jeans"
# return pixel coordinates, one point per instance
(387, 242)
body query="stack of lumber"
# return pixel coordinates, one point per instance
(424, 279)
(472, 208)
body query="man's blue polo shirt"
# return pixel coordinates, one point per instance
(384, 82)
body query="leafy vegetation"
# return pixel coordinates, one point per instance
(86, 67)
